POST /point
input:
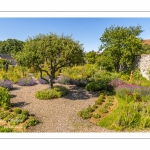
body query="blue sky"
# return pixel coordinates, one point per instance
(86, 30)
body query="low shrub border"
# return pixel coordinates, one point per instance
(56, 92)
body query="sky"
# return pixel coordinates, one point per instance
(86, 30)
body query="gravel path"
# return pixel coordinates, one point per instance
(56, 115)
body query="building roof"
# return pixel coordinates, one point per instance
(146, 41)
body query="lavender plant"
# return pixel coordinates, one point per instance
(26, 82)
(42, 81)
(6, 84)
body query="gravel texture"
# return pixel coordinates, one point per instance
(56, 115)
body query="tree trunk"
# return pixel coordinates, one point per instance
(51, 82)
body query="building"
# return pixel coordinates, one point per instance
(9, 58)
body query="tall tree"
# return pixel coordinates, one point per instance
(11, 46)
(53, 50)
(122, 44)
(91, 57)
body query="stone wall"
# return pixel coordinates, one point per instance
(144, 65)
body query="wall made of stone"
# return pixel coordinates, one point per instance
(144, 65)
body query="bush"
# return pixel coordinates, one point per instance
(85, 114)
(26, 82)
(31, 122)
(4, 129)
(94, 106)
(56, 92)
(6, 84)
(90, 109)
(4, 97)
(103, 110)
(17, 111)
(4, 114)
(96, 115)
(9, 117)
(129, 117)
(25, 112)
(20, 118)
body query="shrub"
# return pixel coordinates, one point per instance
(26, 82)
(4, 97)
(6, 84)
(100, 100)
(90, 109)
(93, 86)
(4, 129)
(25, 112)
(109, 104)
(56, 92)
(94, 106)
(96, 115)
(31, 122)
(17, 111)
(20, 118)
(84, 114)
(9, 117)
(103, 110)
(4, 114)
(115, 83)
(80, 72)
(129, 117)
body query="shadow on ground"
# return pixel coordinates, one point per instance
(19, 104)
(78, 93)
(15, 88)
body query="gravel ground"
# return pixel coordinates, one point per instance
(56, 115)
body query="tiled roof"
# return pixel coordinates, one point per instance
(146, 41)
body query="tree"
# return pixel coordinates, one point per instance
(91, 57)
(122, 45)
(53, 50)
(11, 46)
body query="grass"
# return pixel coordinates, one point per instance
(109, 120)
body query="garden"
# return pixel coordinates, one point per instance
(57, 87)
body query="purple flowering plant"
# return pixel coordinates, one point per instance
(6, 84)
(26, 82)
(131, 92)
(42, 81)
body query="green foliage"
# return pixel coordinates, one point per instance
(4, 129)
(4, 114)
(11, 46)
(100, 100)
(4, 97)
(14, 74)
(56, 92)
(96, 115)
(103, 110)
(31, 122)
(20, 118)
(96, 86)
(17, 111)
(121, 45)
(2, 62)
(53, 50)
(9, 117)
(80, 72)
(25, 112)
(91, 57)
(90, 109)
(129, 117)
(85, 114)
(95, 106)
